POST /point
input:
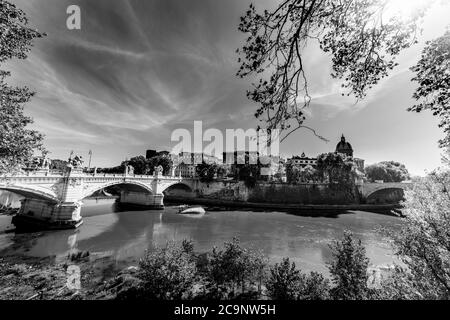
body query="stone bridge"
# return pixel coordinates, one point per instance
(53, 200)
(372, 191)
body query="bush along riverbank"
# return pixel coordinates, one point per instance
(175, 272)
(234, 272)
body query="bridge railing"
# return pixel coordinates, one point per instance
(60, 173)
(40, 173)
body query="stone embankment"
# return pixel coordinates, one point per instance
(301, 210)
(301, 199)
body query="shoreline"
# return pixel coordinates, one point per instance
(44, 278)
(298, 209)
(100, 277)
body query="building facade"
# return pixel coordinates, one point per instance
(186, 170)
(185, 163)
(302, 161)
(343, 147)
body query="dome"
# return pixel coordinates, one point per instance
(344, 147)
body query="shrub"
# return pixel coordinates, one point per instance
(284, 281)
(349, 269)
(388, 171)
(423, 243)
(167, 273)
(314, 287)
(232, 268)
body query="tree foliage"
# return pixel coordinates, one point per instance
(298, 174)
(139, 163)
(348, 269)
(249, 173)
(167, 273)
(112, 170)
(286, 282)
(207, 172)
(315, 287)
(17, 143)
(160, 160)
(339, 170)
(362, 42)
(388, 171)
(58, 164)
(423, 243)
(233, 269)
(432, 74)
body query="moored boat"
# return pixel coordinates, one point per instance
(191, 210)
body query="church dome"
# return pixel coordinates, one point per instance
(344, 147)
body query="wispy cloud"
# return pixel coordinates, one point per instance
(140, 68)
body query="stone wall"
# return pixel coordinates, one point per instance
(275, 193)
(299, 194)
(224, 190)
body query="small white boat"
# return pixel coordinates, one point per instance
(191, 210)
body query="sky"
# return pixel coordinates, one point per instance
(139, 69)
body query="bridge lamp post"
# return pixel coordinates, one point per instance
(90, 157)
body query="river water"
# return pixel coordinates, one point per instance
(126, 235)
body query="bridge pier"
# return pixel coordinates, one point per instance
(43, 214)
(151, 201)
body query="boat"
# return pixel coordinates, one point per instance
(191, 210)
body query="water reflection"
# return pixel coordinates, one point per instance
(10, 199)
(127, 235)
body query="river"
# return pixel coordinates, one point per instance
(126, 235)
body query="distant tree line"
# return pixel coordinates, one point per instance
(141, 165)
(59, 165)
(387, 171)
(208, 172)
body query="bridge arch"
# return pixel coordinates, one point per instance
(34, 192)
(180, 184)
(127, 185)
(387, 195)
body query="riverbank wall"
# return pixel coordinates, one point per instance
(302, 199)
(303, 210)
(302, 194)
(275, 193)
